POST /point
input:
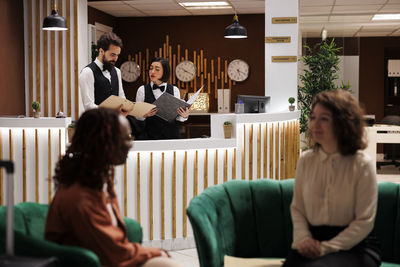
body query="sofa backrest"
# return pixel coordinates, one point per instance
(260, 213)
(34, 217)
(19, 222)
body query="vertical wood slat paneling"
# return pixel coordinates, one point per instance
(37, 37)
(11, 152)
(151, 196)
(36, 166)
(23, 166)
(162, 196)
(53, 73)
(226, 165)
(60, 63)
(184, 200)
(244, 153)
(30, 33)
(271, 150)
(277, 126)
(1, 170)
(265, 151)
(251, 152)
(282, 151)
(259, 151)
(206, 169)
(76, 71)
(234, 165)
(174, 196)
(49, 166)
(138, 188)
(45, 64)
(68, 59)
(216, 167)
(195, 175)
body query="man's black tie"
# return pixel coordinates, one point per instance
(155, 86)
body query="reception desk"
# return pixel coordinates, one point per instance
(160, 177)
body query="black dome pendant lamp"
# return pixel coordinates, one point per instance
(54, 22)
(235, 30)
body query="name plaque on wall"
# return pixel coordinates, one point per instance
(284, 58)
(280, 39)
(284, 20)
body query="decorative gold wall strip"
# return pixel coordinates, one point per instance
(174, 196)
(53, 73)
(23, 166)
(283, 59)
(49, 166)
(125, 190)
(284, 20)
(37, 37)
(162, 196)
(184, 200)
(138, 188)
(151, 195)
(1, 170)
(259, 152)
(265, 146)
(278, 39)
(216, 167)
(206, 169)
(226, 165)
(46, 65)
(234, 164)
(76, 70)
(30, 33)
(36, 166)
(60, 65)
(68, 33)
(244, 153)
(271, 150)
(282, 151)
(251, 153)
(277, 126)
(196, 170)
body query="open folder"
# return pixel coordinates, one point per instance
(137, 109)
(230, 261)
(167, 105)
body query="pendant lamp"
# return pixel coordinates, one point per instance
(235, 30)
(54, 22)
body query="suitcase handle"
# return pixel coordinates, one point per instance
(8, 165)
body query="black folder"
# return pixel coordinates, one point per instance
(167, 106)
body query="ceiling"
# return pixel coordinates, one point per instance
(341, 18)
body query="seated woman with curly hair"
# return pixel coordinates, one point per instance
(84, 211)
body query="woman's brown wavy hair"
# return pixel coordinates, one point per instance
(348, 121)
(89, 158)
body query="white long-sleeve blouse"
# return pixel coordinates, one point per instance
(334, 190)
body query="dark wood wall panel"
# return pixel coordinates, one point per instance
(12, 82)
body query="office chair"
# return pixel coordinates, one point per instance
(391, 150)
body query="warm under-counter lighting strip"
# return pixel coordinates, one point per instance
(386, 17)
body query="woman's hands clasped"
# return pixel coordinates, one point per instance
(310, 248)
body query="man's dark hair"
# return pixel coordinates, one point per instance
(108, 39)
(89, 159)
(165, 66)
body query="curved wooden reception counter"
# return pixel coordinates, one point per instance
(160, 177)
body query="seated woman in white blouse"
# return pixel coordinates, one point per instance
(335, 193)
(155, 127)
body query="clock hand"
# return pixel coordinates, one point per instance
(186, 71)
(239, 71)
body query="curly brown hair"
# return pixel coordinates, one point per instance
(89, 159)
(347, 117)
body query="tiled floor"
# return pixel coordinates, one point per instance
(187, 257)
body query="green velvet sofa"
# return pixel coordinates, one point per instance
(29, 225)
(251, 219)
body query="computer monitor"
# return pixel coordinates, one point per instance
(254, 103)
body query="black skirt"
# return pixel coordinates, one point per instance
(367, 253)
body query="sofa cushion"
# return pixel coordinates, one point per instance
(35, 218)
(19, 223)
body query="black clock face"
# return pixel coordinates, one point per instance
(130, 71)
(185, 71)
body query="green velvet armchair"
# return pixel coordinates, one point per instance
(29, 225)
(251, 219)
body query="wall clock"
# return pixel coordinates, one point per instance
(238, 70)
(130, 71)
(185, 71)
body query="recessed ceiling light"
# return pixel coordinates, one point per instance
(386, 17)
(206, 5)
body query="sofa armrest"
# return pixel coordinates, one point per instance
(67, 255)
(134, 230)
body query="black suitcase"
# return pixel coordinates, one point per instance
(9, 260)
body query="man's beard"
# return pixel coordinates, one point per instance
(107, 65)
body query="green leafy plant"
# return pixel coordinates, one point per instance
(291, 100)
(227, 123)
(321, 67)
(35, 105)
(71, 125)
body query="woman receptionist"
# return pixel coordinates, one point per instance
(155, 127)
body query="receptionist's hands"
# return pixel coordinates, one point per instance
(183, 112)
(150, 113)
(123, 112)
(309, 248)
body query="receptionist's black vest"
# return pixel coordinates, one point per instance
(156, 127)
(102, 86)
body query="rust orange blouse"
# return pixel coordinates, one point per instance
(78, 216)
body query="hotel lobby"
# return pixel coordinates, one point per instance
(160, 178)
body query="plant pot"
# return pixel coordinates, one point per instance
(36, 114)
(71, 132)
(291, 108)
(228, 131)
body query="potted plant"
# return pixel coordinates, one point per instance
(227, 129)
(291, 101)
(321, 66)
(71, 131)
(36, 107)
